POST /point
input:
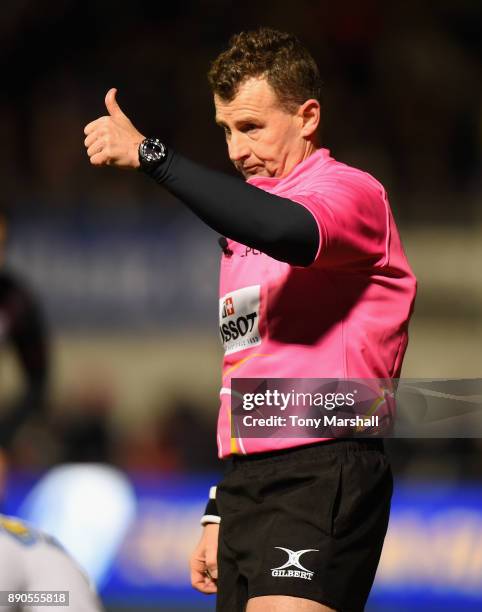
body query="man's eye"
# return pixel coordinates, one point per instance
(250, 127)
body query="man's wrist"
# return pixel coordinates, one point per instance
(211, 513)
(135, 154)
(151, 154)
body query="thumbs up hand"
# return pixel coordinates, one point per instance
(112, 140)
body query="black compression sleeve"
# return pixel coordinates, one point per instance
(276, 226)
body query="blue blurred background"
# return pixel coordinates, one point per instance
(122, 280)
(432, 559)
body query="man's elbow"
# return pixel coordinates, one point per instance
(295, 250)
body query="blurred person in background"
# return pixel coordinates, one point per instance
(80, 422)
(23, 329)
(31, 560)
(312, 256)
(171, 442)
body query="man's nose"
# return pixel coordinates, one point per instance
(238, 148)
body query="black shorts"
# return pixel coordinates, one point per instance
(306, 522)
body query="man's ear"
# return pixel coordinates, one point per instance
(309, 113)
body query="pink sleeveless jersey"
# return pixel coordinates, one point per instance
(344, 316)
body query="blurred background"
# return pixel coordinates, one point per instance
(108, 291)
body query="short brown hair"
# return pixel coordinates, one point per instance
(278, 56)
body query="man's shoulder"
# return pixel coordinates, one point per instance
(18, 530)
(341, 186)
(338, 175)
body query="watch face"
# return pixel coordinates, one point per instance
(152, 151)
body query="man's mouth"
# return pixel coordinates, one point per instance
(250, 170)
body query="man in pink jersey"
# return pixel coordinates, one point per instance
(314, 284)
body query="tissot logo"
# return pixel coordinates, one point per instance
(228, 307)
(293, 561)
(239, 313)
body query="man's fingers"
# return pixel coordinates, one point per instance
(111, 104)
(203, 583)
(90, 127)
(99, 159)
(200, 579)
(92, 137)
(95, 147)
(212, 567)
(119, 137)
(209, 587)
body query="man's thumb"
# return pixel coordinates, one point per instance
(111, 104)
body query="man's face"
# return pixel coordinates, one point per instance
(263, 138)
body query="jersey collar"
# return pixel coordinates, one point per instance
(320, 156)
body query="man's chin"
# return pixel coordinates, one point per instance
(257, 171)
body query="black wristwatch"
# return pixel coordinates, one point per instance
(152, 152)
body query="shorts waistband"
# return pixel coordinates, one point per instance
(339, 446)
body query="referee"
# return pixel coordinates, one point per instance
(313, 259)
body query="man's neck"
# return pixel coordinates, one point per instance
(310, 147)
